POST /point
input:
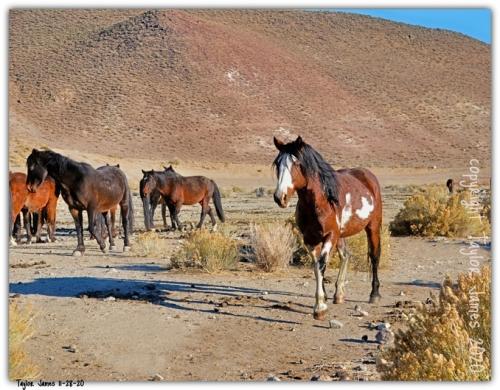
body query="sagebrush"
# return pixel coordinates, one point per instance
(273, 245)
(209, 251)
(435, 212)
(150, 244)
(448, 341)
(20, 330)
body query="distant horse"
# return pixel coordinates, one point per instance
(449, 184)
(84, 188)
(332, 205)
(155, 198)
(179, 190)
(43, 203)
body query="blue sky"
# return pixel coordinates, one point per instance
(474, 22)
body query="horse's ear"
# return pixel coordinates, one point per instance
(299, 141)
(34, 152)
(279, 145)
(118, 165)
(143, 171)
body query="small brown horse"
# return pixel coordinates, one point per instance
(84, 188)
(42, 202)
(332, 205)
(179, 190)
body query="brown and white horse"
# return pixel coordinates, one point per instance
(332, 205)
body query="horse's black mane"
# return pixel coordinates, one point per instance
(312, 163)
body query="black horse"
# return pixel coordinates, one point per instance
(84, 188)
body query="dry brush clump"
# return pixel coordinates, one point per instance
(150, 244)
(20, 329)
(273, 245)
(209, 251)
(435, 212)
(449, 341)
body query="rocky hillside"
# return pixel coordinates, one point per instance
(217, 85)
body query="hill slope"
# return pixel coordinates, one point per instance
(216, 85)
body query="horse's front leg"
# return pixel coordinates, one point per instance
(27, 225)
(78, 218)
(320, 255)
(344, 261)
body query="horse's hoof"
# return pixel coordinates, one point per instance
(112, 248)
(126, 249)
(338, 299)
(13, 242)
(77, 253)
(374, 298)
(320, 315)
(104, 250)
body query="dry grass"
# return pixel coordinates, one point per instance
(273, 245)
(450, 341)
(434, 212)
(150, 244)
(20, 329)
(209, 251)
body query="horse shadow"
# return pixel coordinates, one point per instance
(160, 293)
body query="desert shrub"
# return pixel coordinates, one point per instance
(357, 246)
(209, 251)
(273, 245)
(449, 341)
(150, 244)
(260, 192)
(237, 189)
(435, 212)
(20, 329)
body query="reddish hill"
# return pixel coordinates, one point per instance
(217, 85)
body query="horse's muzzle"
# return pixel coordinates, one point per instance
(281, 201)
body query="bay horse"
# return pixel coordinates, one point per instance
(332, 205)
(43, 203)
(178, 190)
(84, 188)
(155, 198)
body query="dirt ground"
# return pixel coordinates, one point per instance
(120, 317)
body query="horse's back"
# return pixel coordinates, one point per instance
(366, 177)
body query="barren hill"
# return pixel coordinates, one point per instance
(217, 85)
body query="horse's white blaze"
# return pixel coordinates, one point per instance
(285, 175)
(346, 211)
(366, 208)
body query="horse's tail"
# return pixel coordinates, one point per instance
(218, 203)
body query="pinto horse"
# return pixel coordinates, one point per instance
(84, 188)
(332, 205)
(179, 190)
(43, 202)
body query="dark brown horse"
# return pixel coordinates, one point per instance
(179, 190)
(43, 203)
(332, 205)
(150, 203)
(84, 188)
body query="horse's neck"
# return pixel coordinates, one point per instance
(313, 198)
(165, 183)
(67, 174)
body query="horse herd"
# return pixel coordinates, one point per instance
(332, 204)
